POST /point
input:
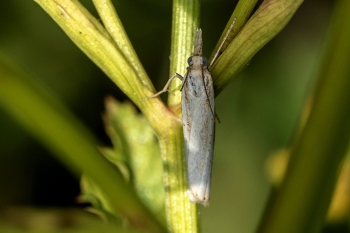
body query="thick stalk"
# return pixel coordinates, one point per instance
(181, 213)
(300, 204)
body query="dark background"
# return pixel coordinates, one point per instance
(259, 110)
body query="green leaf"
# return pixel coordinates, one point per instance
(268, 20)
(133, 138)
(101, 204)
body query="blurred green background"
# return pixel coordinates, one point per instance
(259, 110)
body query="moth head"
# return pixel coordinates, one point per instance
(204, 60)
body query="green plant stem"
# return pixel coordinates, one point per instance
(181, 213)
(49, 121)
(300, 204)
(184, 26)
(116, 30)
(270, 18)
(93, 39)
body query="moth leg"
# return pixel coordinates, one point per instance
(184, 79)
(165, 89)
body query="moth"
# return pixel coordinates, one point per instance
(198, 119)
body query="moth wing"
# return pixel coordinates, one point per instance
(199, 133)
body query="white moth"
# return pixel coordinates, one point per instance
(198, 119)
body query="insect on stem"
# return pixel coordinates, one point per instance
(198, 119)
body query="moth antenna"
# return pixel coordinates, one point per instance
(206, 93)
(222, 43)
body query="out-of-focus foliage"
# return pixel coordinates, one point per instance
(53, 220)
(135, 153)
